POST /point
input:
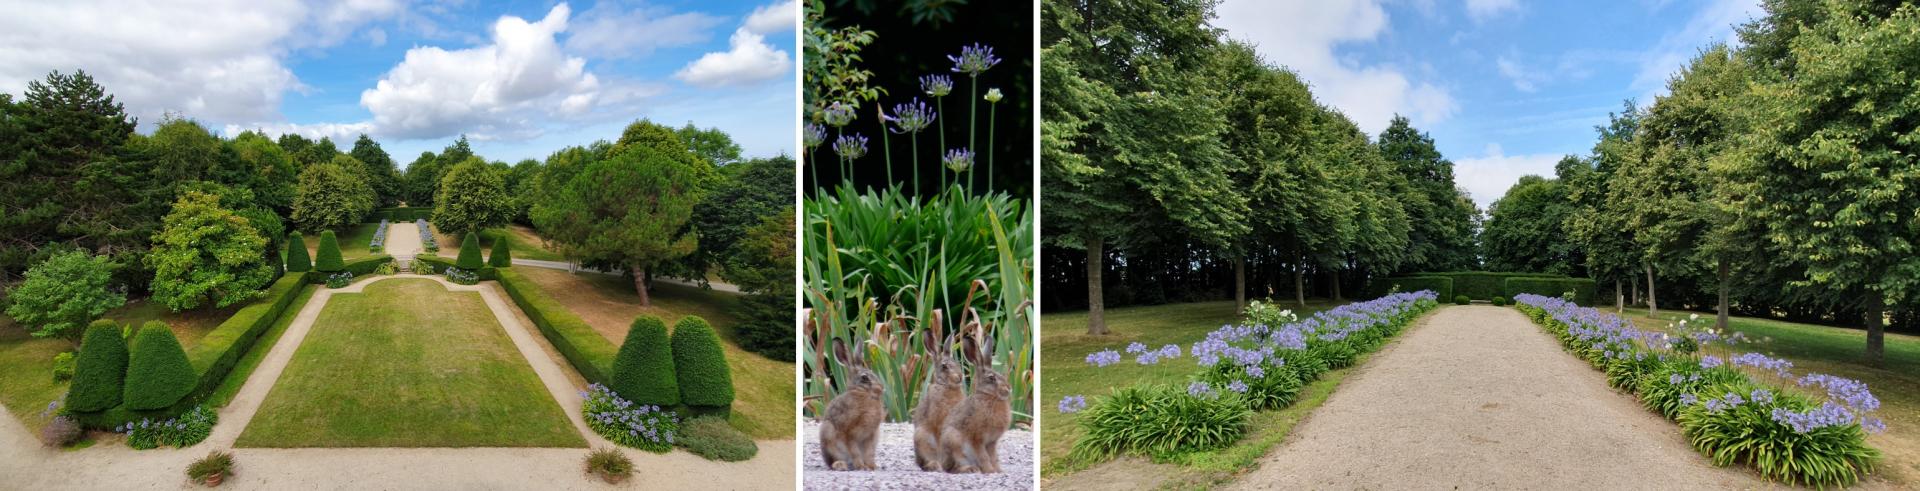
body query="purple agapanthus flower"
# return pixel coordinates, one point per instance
(936, 85)
(814, 135)
(851, 147)
(974, 60)
(1072, 404)
(1103, 358)
(958, 160)
(910, 117)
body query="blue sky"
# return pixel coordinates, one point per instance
(520, 78)
(1505, 87)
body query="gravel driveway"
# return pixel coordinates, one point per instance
(898, 471)
(1480, 398)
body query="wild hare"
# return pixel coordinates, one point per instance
(945, 389)
(970, 438)
(850, 430)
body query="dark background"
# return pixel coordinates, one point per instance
(911, 41)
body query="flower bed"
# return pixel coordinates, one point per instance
(180, 432)
(1733, 409)
(1246, 367)
(379, 242)
(621, 421)
(426, 236)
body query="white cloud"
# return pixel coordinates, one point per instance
(1487, 177)
(750, 60)
(1524, 80)
(608, 31)
(779, 17)
(490, 91)
(1714, 22)
(1302, 35)
(341, 133)
(1485, 10)
(338, 20)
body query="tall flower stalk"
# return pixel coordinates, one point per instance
(993, 107)
(937, 87)
(973, 61)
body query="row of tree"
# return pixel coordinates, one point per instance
(1177, 158)
(1777, 178)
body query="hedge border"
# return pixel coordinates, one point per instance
(590, 353)
(485, 273)
(359, 267)
(1442, 286)
(1584, 289)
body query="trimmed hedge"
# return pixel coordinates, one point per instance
(220, 349)
(486, 273)
(502, 255)
(584, 348)
(359, 267)
(1583, 289)
(400, 214)
(328, 258)
(1440, 285)
(1477, 285)
(700, 366)
(470, 253)
(297, 260)
(158, 373)
(100, 373)
(643, 370)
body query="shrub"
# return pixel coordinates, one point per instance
(589, 352)
(297, 261)
(611, 465)
(61, 431)
(158, 373)
(469, 252)
(1275, 388)
(502, 255)
(340, 279)
(181, 432)
(63, 293)
(328, 258)
(700, 365)
(643, 426)
(1461, 300)
(1500, 301)
(204, 254)
(1438, 284)
(643, 370)
(1583, 289)
(101, 371)
(1159, 421)
(713, 438)
(63, 366)
(1750, 432)
(211, 469)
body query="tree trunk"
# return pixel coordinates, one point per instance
(1876, 332)
(1096, 304)
(1619, 297)
(1240, 284)
(1653, 303)
(1720, 322)
(1334, 276)
(1300, 283)
(1635, 282)
(640, 285)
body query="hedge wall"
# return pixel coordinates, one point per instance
(400, 214)
(1481, 285)
(1439, 284)
(1583, 289)
(359, 267)
(486, 273)
(588, 352)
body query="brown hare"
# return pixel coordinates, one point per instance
(850, 430)
(945, 389)
(970, 439)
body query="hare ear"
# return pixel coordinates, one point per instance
(970, 348)
(840, 351)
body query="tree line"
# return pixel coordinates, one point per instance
(1180, 161)
(1777, 177)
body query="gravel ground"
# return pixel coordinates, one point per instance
(1480, 398)
(898, 471)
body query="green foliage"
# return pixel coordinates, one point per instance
(206, 252)
(1583, 289)
(700, 365)
(610, 464)
(596, 216)
(469, 252)
(332, 194)
(502, 255)
(1159, 421)
(1462, 300)
(763, 268)
(64, 293)
(711, 437)
(297, 260)
(1441, 285)
(1525, 230)
(1500, 301)
(472, 196)
(833, 73)
(275, 177)
(584, 348)
(181, 432)
(747, 193)
(643, 371)
(385, 178)
(100, 374)
(216, 463)
(221, 348)
(327, 258)
(1442, 217)
(63, 366)
(158, 373)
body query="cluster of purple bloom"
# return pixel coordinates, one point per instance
(1779, 367)
(1072, 404)
(426, 235)
(1201, 389)
(851, 147)
(379, 237)
(910, 117)
(1850, 392)
(1152, 357)
(1709, 362)
(974, 60)
(182, 431)
(646, 427)
(1103, 358)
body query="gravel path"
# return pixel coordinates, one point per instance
(1478, 397)
(403, 241)
(898, 471)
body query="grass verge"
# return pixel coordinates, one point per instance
(244, 368)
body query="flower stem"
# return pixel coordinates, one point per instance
(814, 167)
(992, 109)
(916, 163)
(886, 151)
(973, 112)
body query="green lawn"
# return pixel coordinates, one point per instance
(1837, 351)
(763, 388)
(1066, 372)
(244, 368)
(353, 241)
(523, 240)
(409, 364)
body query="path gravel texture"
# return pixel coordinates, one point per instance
(1478, 397)
(403, 241)
(898, 471)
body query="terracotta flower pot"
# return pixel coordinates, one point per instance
(214, 481)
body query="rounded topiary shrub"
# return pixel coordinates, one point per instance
(1462, 300)
(502, 255)
(328, 257)
(101, 370)
(158, 373)
(297, 260)
(643, 370)
(700, 365)
(469, 252)
(1500, 301)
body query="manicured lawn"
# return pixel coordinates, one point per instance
(409, 364)
(525, 243)
(1837, 351)
(763, 388)
(1066, 372)
(353, 241)
(26, 373)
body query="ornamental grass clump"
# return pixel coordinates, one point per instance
(1734, 407)
(611, 465)
(643, 426)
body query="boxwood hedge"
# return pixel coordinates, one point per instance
(100, 373)
(158, 373)
(643, 370)
(1583, 289)
(297, 260)
(327, 259)
(701, 366)
(584, 348)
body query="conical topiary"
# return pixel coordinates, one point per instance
(158, 373)
(101, 370)
(700, 366)
(329, 254)
(643, 370)
(502, 255)
(469, 252)
(297, 260)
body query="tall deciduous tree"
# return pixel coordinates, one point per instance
(384, 177)
(472, 196)
(712, 144)
(1442, 218)
(331, 195)
(1525, 228)
(275, 176)
(206, 252)
(64, 293)
(632, 207)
